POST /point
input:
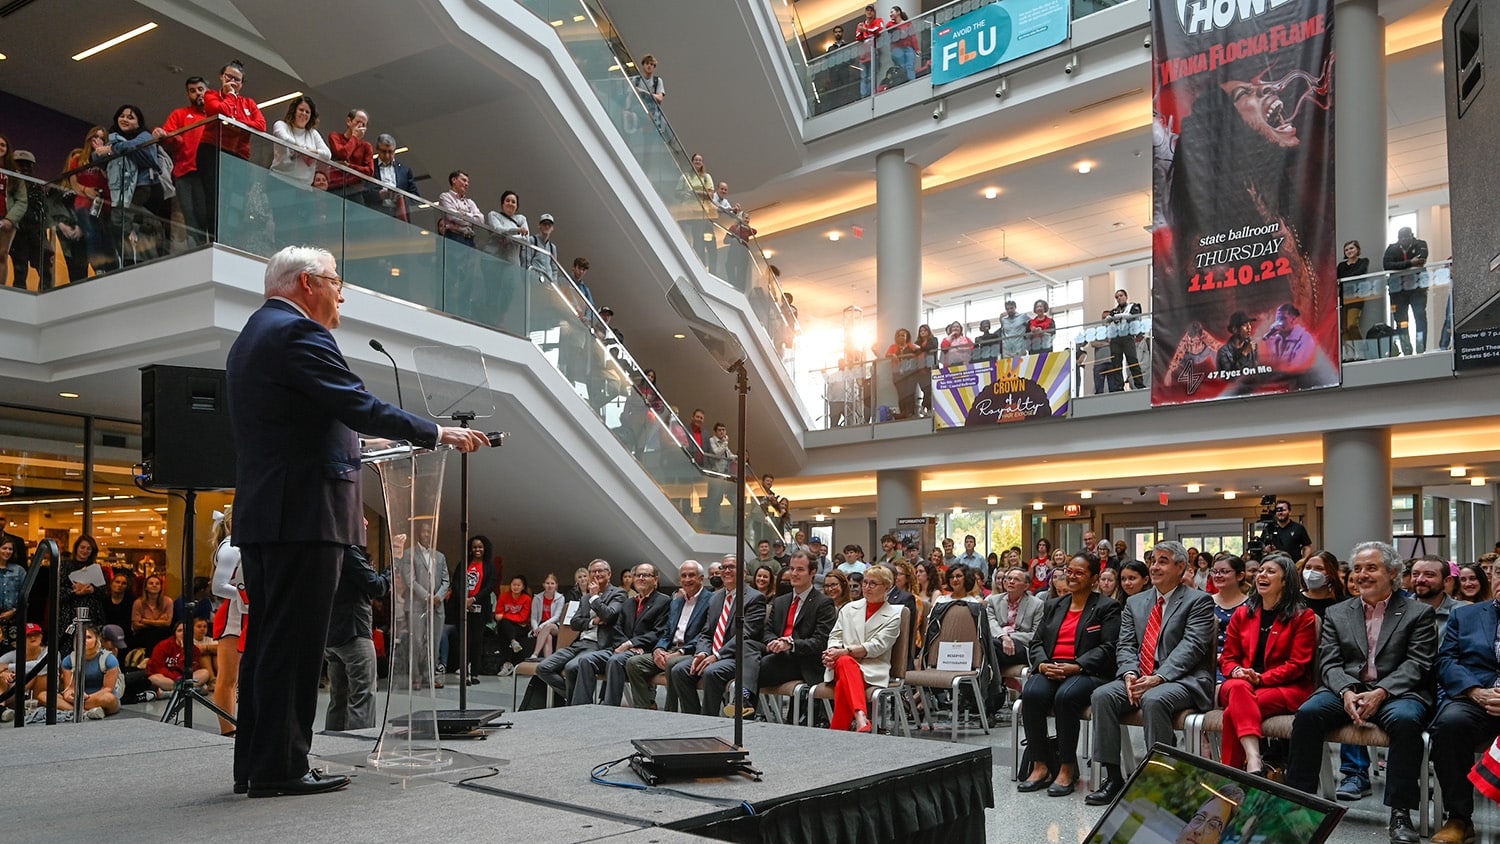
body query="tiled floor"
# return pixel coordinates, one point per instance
(1016, 817)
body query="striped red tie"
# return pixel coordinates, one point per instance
(1148, 644)
(723, 624)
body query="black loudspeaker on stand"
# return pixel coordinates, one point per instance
(186, 447)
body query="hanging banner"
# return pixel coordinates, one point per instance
(997, 392)
(995, 34)
(1245, 293)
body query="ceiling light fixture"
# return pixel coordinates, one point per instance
(1477, 480)
(3, 57)
(67, 395)
(1086, 494)
(992, 500)
(679, 336)
(1085, 167)
(1458, 471)
(1037, 505)
(556, 23)
(834, 237)
(819, 517)
(991, 193)
(835, 509)
(1229, 494)
(400, 150)
(117, 40)
(275, 101)
(1193, 488)
(1315, 480)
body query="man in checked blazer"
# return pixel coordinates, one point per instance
(1177, 674)
(1388, 685)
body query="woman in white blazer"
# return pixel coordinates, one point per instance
(859, 650)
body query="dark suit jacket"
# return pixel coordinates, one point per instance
(607, 608)
(809, 632)
(1095, 641)
(901, 598)
(1289, 649)
(644, 630)
(755, 622)
(1404, 653)
(1185, 646)
(358, 583)
(294, 407)
(1466, 658)
(404, 181)
(695, 621)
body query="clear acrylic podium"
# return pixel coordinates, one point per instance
(412, 480)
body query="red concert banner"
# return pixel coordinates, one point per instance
(1245, 295)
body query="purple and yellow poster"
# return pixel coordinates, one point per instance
(1245, 295)
(997, 392)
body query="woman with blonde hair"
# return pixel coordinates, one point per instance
(859, 649)
(229, 619)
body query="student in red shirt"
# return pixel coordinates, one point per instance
(184, 151)
(165, 666)
(226, 102)
(351, 150)
(513, 612)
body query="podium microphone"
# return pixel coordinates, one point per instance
(375, 344)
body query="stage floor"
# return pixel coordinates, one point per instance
(532, 779)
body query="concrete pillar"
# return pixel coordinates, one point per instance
(898, 246)
(1359, 149)
(898, 493)
(1356, 488)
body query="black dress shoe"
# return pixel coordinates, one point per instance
(1056, 790)
(1028, 786)
(1402, 832)
(312, 782)
(1106, 793)
(241, 787)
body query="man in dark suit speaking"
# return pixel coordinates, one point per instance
(295, 408)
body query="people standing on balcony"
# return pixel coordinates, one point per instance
(30, 245)
(511, 232)
(904, 43)
(927, 343)
(1408, 289)
(1040, 329)
(460, 212)
(1108, 376)
(543, 258)
(392, 176)
(12, 199)
(225, 102)
(305, 150)
(737, 241)
(184, 151)
(987, 344)
(957, 348)
(138, 226)
(1122, 341)
(699, 184)
(1013, 328)
(1353, 265)
(352, 150)
(906, 369)
(864, 33)
(653, 92)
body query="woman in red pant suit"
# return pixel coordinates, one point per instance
(1267, 660)
(859, 649)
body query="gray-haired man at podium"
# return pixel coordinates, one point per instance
(295, 407)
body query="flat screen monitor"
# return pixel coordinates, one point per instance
(1177, 798)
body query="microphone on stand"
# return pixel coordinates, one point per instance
(375, 344)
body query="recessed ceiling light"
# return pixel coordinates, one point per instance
(835, 509)
(1086, 494)
(1315, 480)
(992, 500)
(1229, 494)
(958, 510)
(1037, 505)
(819, 517)
(679, 336)
(281, 99)
(991, 193)
(769, 253)
(118, 39)
(1458, 471)
(1477, 480)
(556, 23)
(3, 57)
(395, 272)
(1193, 487)
(400, 150)
(834, 236)
(68, 395)
(1085, 167)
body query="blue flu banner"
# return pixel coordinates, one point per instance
(996, 34)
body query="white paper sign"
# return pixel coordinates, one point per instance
(955, 656)
(91, 575)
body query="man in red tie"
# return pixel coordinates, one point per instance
(713, 650)
(796, 634)
(1165, 664)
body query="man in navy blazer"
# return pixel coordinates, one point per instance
(1468, 711)
(643, 623)
(685, 618)
(714, 650)
(295, 406)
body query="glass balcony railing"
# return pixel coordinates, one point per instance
(1383, 315)
(860, 71)
(392, 243)
(723, 240)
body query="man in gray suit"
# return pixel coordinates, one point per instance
(1014, 615)
(1377, 654)
(597, 619)
(1165, 664)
